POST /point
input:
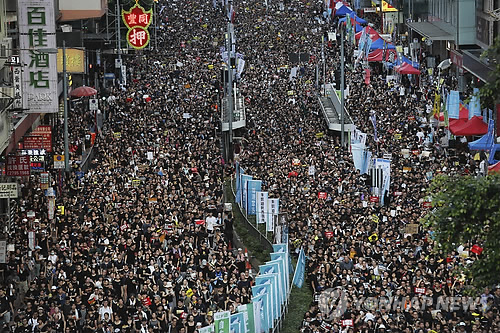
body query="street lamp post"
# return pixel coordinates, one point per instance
(230, 105)
(118, 36)
(342, 139)
(65, 96)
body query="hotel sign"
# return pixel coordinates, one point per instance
(37, 36)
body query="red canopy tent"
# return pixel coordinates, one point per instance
(495, 168)
(406, 68)
(474, 126)
(374, 35)
(378, 55)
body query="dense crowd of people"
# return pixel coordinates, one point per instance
(144, 244)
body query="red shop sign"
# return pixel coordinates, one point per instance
(18, 166)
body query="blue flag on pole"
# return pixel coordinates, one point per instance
(298, 277)
(253, 187)
(244, 194)
(453, 102)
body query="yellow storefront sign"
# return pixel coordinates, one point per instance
(75, 61)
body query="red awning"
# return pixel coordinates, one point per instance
(495, 168)
(378, 55)
(406, 68)
(374, 35)
(474, 126)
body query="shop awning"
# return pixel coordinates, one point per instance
(473, 64)
(430, 30)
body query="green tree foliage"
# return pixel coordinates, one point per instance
(490, 92)
(467, 212)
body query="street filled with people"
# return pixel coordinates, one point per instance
(141, 241)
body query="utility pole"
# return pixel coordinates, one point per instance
(155, 23)
(324, 63)
(382, 16)
(118, 36)
(230, 105)
(342, 73)
(65, 96)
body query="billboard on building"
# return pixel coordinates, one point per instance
(18, 166)
(37, 43)
(40, 138)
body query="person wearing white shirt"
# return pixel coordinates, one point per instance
(211, 222)
(52, 257)
(105, 308)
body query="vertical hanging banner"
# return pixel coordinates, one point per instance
(282, 259)
(248, 316)
(252, 188)
(267, 307)
(283, 248)
(275, 267)
(137, 20)
(37, 44)
(238, 323)
(273, 209)
(244, 193)
(18, 87)
(298, 278)
(262, 200)
(271, 280)
(222, 321)
(260, 307)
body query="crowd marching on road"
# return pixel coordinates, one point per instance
(144, 244)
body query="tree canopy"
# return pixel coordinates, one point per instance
(466, 211)
(490, 92)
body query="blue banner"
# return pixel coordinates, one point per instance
(475, 105)
(265, 291)
(274, 267)
(273, 281)
(298, 278)
(282, 259)
(283, 248)
(453, 102)
(253, 187)
(260, 313)
(244, 185)
(237, 321)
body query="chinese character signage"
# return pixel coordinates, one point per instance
(75, 61)
(18, 166)
(37, 163)
(37, 37)
(18, 87)
(137, 21)
(8, 190)
(40, 138)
